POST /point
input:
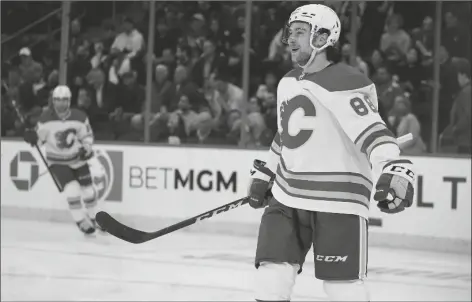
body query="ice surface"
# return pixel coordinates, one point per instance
(53, 261)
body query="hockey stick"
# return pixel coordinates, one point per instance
(43, 159)
(126, 233)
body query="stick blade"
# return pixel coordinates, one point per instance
(119, 230)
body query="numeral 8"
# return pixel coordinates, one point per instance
(360, 108)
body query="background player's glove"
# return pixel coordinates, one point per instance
(85, 152)
(259, 187)
(30, 136)
(394, 189)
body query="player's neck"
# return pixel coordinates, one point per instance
(319, 63)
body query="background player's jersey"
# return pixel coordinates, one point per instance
(64, 137)
(328, 128)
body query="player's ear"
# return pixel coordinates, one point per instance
(320, 39)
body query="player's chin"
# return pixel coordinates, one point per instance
(299, 58)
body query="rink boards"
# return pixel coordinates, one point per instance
(152, 186)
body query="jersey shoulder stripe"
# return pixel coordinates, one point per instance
(339, 77)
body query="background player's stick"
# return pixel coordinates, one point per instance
(405, 138)
(22, 119)
(126, 233)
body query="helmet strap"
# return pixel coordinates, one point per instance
(314, 51)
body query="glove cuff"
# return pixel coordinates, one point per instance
(402, 168)
(260, 171)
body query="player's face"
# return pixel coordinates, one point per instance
(61, 105)
(299, 42)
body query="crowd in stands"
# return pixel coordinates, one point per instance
(197, 96)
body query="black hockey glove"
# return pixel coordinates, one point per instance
(260, 185)
(30, 136)
(394, 189)
(85, 153)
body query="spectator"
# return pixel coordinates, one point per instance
(162, 89)
(164, 38)
(460, 123)
(102, 93)
(191, 119)
(377, 60)
(359, 63)
(217, 34)
(196, 34)
(269, 110)
(13, 83)
(395, 42)
(130, 100)
(227, 95)
(404, 122)
(387, 88)
(121, 64)
(99, 57)
(373, 21)
(210, 62)
(256, 123)
(49, 64)
(269, 85)
(27, 65)
(424, 40)
(454, 38)
(80, 65)
(130, 40)
(448, 87)
(176, 126)
(184, 86)
(235, 64)
(33, 95)
(184, 57)
(167, 58)
(53, 80)
(412, 73)
(76, 36)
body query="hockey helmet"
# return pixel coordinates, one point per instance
(61, 97)
(321, 18)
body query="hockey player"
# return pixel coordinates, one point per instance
(68, 138)
(332, 148)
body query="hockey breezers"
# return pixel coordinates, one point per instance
(126, 233)
(22, 119)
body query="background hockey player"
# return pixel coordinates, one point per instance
(330, 148)
(68, 138)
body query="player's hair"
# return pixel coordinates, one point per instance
(333, 53)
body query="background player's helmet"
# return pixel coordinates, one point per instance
(61, 97)
(322, 19)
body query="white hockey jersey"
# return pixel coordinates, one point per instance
(63, 138)
(329, 138)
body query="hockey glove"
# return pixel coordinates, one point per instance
(260, 184)
(30, 136)
(394, 189)
(85, 153)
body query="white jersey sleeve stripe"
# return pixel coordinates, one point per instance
(336, 196)
(275, 148)
(336, 188)
(364, 134)
(327, 176)
(378, 142)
